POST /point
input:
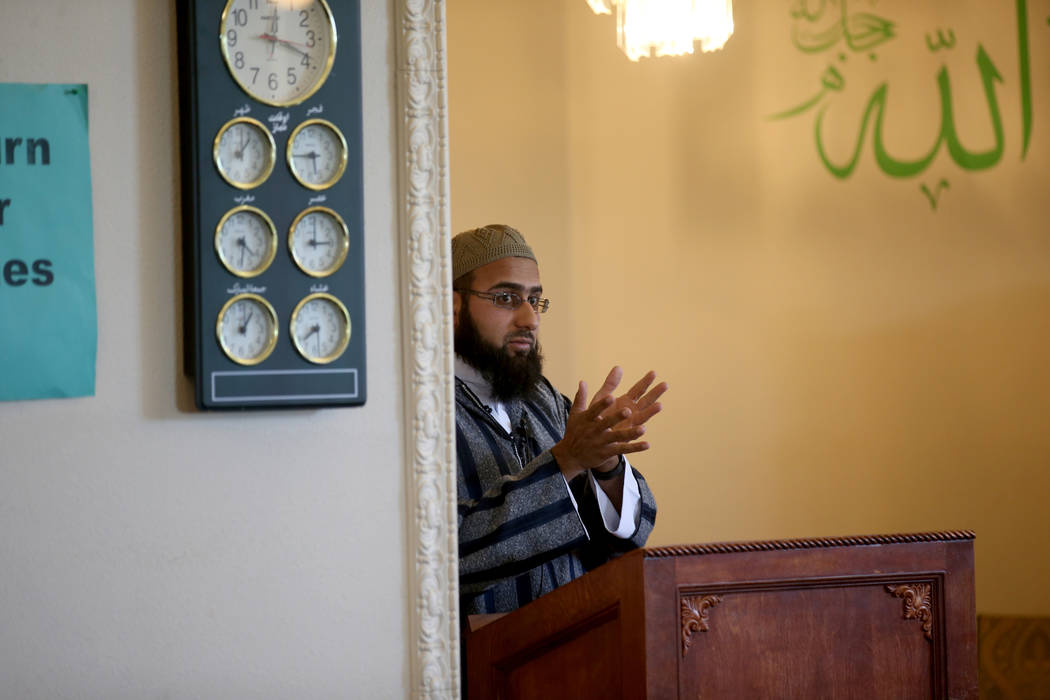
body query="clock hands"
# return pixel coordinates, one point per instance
(314, 330)
(243, 328)
(312, 155)
(313, 242)
(293, 45)
(238, 152)
(242, 243)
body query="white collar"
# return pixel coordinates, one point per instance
(483, 390)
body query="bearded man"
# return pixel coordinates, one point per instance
(545, 492)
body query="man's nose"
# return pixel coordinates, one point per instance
(526, 317)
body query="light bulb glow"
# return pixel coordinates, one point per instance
(668, 27)
(600, 7)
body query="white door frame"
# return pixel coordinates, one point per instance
(426, 312)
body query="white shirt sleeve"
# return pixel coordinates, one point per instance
(575, 506)
(624, 523)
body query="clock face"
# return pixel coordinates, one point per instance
(246, 241)
(244, 152)
(320, 328)
(278, 51)
(319, 241)
(247, 329)
(317, 154)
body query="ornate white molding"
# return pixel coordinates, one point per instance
(426, 311)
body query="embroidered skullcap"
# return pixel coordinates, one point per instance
(480, 246)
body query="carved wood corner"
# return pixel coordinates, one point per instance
(918, 604)
(694, 616)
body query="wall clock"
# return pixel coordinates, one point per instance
(319, 241)
(244, 152)
(272, 196)
(317, 154)
(320, 328)
(247, 329)
(246, 241)
(279, 51)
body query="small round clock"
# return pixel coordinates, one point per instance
(246, 241)
(320, 328)
(317, 154)
(244, 152)
(318, 241)
(247, 329)
(280, 53)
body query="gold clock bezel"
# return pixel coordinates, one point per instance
(344, 343)
(265, 265)
(344, 240)
(321, 80)
(342, 161)
(270, 345)
(273, 153)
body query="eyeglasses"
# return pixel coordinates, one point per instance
(510, 300)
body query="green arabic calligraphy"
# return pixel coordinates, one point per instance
(861, 30)
(969, 160)
(934, 196)
(1025, 62)
(831, 80)
(943, 41)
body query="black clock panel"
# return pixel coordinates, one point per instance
(272, 197)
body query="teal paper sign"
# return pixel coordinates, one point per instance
(48, 328)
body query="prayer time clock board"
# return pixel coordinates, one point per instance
(270, 109)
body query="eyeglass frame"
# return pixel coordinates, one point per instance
(540, 305)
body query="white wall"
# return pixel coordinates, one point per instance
(149, 551)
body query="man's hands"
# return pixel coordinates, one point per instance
(599, 432)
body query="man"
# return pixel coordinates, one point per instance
(545, 492)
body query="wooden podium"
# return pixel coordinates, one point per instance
(860, 617)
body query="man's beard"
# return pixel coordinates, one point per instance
(510, 375)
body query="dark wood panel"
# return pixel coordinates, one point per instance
(807, 642)
(578, 636)
(531, 673)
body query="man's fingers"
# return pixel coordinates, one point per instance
(654, 393)
(622, 448)
(627, 448)
(641, 385)
(580, 400)
(624, 435)
(612, 380)
(610, 418)
(645, 414)
(599, 405)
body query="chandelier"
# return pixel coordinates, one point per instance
(668, 27)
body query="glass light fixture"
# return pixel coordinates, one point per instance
(668, 27)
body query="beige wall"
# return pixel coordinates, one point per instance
(844, 359)
(153, 552)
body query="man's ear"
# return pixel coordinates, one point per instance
(457, 302)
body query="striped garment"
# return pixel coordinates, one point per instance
(519, 534)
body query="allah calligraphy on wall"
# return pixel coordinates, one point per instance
(848, 41)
